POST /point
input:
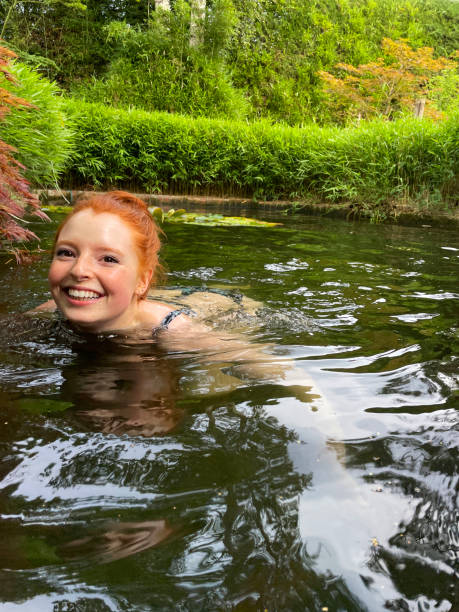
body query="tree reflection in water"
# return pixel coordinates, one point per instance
(245, 489)
(231, 478)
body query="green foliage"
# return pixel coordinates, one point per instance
(68, 42)
(158, 69)
(194, 87)
(11, 5)
(376, 161)
(279, 47)
(219, 26)
(444, 92)
(41, 133)
(438, 25)
(254, 58)
(391, 85)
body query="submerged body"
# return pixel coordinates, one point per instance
(105, 258)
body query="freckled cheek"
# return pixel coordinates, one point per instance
(120, 286)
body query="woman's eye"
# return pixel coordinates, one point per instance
(64, 253)
(110, 259)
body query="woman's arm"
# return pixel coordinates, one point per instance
(231, 360)
(185, 334)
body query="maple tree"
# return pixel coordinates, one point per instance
(16, 198)
(388, 85)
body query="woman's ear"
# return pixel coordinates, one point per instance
(143, 283)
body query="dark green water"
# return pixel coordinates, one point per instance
(153, 483)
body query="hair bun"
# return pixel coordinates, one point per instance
(129, 199)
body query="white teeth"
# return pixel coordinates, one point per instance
(79, 294)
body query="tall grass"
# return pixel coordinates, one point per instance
(374, 162)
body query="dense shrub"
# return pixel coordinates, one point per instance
(375, 161)
(259, 57)
(159, 69)
(40, 133)
(16, 199)
(194, 87)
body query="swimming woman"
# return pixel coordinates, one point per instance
(104, 261)
(105, 257)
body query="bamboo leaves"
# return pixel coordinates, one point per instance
(159, 152)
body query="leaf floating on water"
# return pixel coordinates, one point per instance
(57, 209)
(214, 220)
(157, 213)
(176, 213)
(181, 216)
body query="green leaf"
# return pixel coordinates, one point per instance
(57, 209)
(38, 405)
(176, 213)
(215, 220)
(157, 213)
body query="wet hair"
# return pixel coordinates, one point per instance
(134, 212)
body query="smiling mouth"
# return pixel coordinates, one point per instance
(82, 294)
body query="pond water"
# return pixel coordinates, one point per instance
(141, 479)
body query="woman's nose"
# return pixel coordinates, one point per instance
(82, 267)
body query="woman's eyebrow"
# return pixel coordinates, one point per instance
(109, 249)
(60, 242)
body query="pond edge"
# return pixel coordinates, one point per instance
(400, 213)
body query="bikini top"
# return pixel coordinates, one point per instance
(169, 318)
(164, 324)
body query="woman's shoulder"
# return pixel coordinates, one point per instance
(160, 316)
(49, 306)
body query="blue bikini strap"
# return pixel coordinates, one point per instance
(171, 316)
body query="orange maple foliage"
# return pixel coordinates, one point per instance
(16, 199)
(390, 84)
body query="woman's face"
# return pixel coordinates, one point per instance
(95, 276)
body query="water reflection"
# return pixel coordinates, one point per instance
(119, 396)
(231, 484)
(121, 540)
(152, 480)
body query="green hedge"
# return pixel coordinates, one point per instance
(376, 161)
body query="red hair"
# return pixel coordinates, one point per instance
(134, 212)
